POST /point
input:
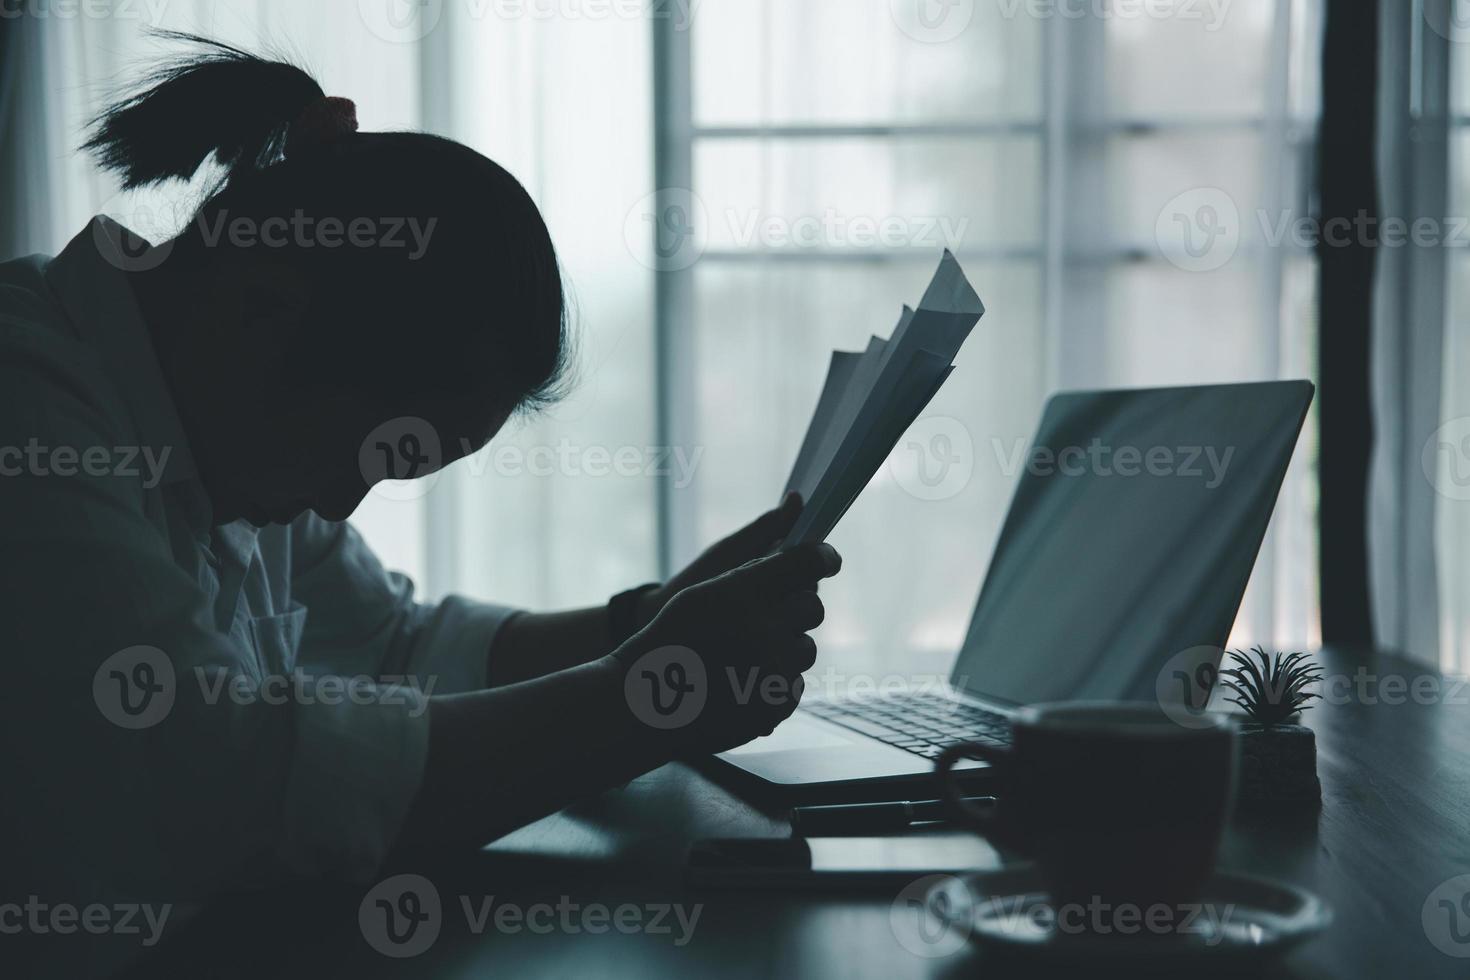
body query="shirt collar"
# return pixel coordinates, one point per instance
(88, 277)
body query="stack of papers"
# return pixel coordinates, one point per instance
(871, 398)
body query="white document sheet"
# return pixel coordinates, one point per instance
(871, 398)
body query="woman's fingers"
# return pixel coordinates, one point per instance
(793, 654)
(793, 570)
(801, 611)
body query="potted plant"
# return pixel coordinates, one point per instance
(1278, 756)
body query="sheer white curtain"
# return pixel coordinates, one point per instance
(1069, 147)
(1445, 459)
(1422, 385)
(559, 511)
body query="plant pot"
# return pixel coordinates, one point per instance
(1278, 765)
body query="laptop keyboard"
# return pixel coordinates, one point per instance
(921, 723)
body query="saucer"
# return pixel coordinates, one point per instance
(1236, 918)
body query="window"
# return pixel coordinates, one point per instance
(1079, 158)
(1061, 155)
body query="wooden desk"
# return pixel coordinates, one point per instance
(1394, 825)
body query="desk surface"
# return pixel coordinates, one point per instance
(1394, 825)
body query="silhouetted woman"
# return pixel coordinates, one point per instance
(218, 682)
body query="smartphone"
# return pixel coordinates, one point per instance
(844, 862)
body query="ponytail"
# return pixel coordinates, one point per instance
(382, 316)
(221, 102)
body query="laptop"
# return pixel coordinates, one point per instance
(1124, 556)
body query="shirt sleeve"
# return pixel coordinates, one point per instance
(142, 758)
(363, 620)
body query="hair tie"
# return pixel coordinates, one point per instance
(322, 121)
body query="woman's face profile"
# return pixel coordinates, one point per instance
(274, 442)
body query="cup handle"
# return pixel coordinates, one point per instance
(988, 821)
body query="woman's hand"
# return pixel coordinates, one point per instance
(756, 540)
(722, 663)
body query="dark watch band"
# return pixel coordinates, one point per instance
(622, 613)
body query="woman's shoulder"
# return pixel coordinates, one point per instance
(23, 294)
(30, 316)
(40, 354)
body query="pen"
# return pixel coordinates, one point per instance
(860, 818)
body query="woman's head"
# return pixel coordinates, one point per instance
(337, 281)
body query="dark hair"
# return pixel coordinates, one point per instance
(484, 298)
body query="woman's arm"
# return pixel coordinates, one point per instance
(532, 645)
(501, 758)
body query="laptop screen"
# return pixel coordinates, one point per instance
(1130, 539)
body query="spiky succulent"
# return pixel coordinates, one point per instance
(1276, 690)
